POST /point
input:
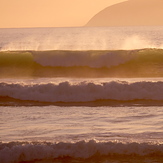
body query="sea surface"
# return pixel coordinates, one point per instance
(87, 95)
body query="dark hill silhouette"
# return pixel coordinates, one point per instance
(130, 13)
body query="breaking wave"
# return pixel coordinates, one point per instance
(82, 92)
(93, 63)
(80, 151)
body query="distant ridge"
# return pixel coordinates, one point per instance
(130, 13)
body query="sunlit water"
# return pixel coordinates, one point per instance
(80, 131)
(71, 124)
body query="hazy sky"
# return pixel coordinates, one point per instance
(50, 13)
(130, 13)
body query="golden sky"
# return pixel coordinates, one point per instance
(50, 13)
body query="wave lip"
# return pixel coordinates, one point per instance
(24, 151)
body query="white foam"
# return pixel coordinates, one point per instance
(16, 152)
(83, 91)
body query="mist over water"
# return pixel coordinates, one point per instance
(86, 38)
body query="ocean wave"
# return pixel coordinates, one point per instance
(93, 63)
(63, 58)
(84, 151)
(83, 91)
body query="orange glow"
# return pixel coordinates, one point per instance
(50, 13)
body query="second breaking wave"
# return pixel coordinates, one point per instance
(82, 92)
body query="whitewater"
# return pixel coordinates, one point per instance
(88, 94)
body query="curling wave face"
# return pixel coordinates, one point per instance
(94, 63)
